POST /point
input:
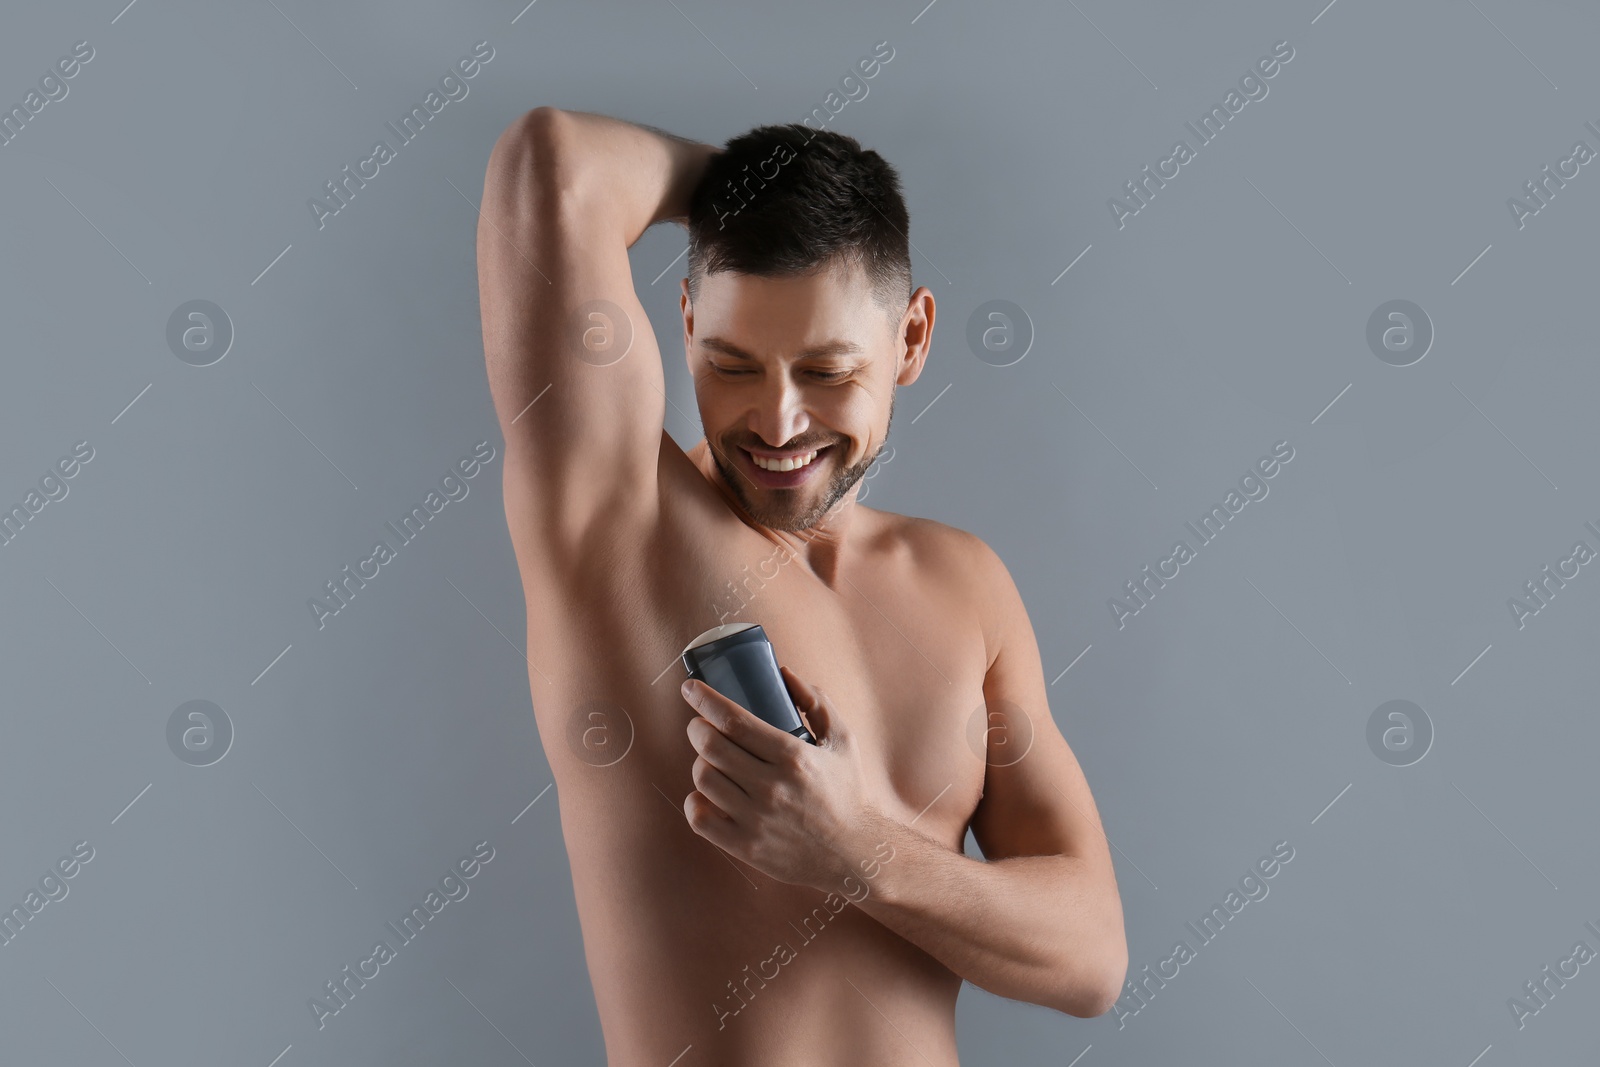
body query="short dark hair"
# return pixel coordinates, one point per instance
(791, 200)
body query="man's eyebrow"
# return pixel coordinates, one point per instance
(826, 348)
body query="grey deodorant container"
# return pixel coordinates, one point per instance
(737, 661)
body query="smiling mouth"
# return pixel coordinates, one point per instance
(788, 471)
(791, 463)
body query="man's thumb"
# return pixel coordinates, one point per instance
(812, 705)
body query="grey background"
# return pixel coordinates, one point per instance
(1229, 314)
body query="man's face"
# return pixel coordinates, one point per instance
(785, 367)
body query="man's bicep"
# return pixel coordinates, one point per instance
(573, 364)
(1036, 800)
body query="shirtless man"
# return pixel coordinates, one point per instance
(748, 898)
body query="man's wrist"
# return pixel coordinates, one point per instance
(860, 859)
(689, 162)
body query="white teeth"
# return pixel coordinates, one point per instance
(784, 464)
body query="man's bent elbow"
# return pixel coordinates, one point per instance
(1089, 999)
(534, 153)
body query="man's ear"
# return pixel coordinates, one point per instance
(916, 336)
(686, 309)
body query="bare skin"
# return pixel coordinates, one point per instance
(746, 897)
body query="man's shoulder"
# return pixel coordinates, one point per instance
(943, 548)
(972, 573)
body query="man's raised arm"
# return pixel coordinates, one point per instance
(572, 362)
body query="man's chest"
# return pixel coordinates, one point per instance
(896, 651)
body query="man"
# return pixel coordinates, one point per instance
(747, 897)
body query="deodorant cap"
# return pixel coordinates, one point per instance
(717, 633)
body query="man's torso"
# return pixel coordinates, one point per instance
(686, 945)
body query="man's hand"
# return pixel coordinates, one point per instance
(801, 813)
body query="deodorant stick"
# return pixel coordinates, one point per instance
(737, 661)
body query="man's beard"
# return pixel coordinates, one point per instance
(785, 512)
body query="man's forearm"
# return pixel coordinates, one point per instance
(1041, 929)
(638, 175)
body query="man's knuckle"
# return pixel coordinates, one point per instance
(788, 795)
(716, 745)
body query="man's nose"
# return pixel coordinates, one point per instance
(779, 414)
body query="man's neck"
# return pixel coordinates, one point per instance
(821, 546)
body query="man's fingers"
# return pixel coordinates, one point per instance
(724, 754)
(709, 821)
(717, 787)
(756, 736)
